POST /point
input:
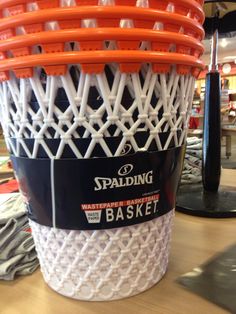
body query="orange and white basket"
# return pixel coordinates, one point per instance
(97, 72)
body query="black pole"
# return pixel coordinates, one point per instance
(211, 159)
(193, 199)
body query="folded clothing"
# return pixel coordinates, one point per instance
(18, 264)
(9, 187)
(17, 249)
(12, 207)
(192, 169)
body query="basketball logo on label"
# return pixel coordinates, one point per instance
(127, 148)
(125, 170)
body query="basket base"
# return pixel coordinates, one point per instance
(115, 297)
(104, 265)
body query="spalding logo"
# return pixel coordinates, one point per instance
(103, 183)
(125, 170)
(127, 148)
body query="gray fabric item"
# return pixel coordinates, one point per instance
(25, 246)
(22, 243)
(9, 230)
(27, 268)
(17, 249)
(14, 207)
(192, 170)
(195, 153)
(9, 270)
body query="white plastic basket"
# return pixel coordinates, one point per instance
(100, 264)
(104, 264)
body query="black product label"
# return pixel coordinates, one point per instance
(100, 193)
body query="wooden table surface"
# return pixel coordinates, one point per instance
(195, 240)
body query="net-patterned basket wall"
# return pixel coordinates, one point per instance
(79, 98)
(104, 264)
(101, 264)
(161, 100)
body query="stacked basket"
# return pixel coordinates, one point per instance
(85, 80)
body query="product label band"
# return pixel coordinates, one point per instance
(122, 210)
(100, 193)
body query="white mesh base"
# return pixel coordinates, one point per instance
(104, 264)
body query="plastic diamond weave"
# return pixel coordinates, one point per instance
(104, 264)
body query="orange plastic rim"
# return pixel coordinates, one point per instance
(192, 5)
(100, 12)
(99, 34)
(99, 57)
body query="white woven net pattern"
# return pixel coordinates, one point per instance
(104, 264)
(128, 104)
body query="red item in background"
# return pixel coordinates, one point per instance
(28, 230)
(9, 187)
(194, 123)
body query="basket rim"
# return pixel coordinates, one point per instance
(100, 57)
(193, 5)
(100, 12)
(100, 34)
